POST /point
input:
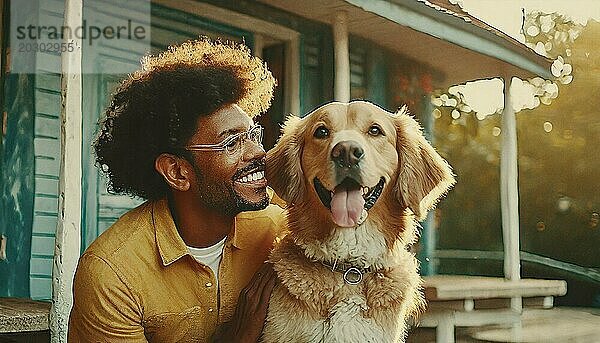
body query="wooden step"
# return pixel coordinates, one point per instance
(458, 287)
(545, 326)
(22, 315)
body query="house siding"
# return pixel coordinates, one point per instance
(47, 154)
(17, 165)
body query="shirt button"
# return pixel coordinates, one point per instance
(210, 309)
(208, 284)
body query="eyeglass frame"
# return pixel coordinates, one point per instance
(222, 146)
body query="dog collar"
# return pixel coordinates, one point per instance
(352, 275)
(363, 216)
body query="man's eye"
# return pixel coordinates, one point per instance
(321, 132)
(231, 143)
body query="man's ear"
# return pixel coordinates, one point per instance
(424, 176)
(284, 171)
(175, 171)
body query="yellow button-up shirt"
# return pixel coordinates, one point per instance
(137, 282)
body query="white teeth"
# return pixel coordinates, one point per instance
(365, 190)
(253, 177)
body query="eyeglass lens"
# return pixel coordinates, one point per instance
(255, 135)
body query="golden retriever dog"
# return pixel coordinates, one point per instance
(355, 178)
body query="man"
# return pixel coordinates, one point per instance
(179, 133)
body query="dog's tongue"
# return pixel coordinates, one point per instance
(346, 206)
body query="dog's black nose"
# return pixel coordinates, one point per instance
(347, 154)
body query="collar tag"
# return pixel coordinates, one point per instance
(353, 276)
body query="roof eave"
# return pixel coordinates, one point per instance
(457, 31)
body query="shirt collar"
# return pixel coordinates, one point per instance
(171, 246)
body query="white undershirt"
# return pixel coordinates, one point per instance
(210, 256)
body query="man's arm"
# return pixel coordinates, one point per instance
(104, 308)
(249, 317)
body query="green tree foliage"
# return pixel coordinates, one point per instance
(551, 35)
(559, 163)
(559, 154)
(470, 216)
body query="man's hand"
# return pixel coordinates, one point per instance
(249, 317)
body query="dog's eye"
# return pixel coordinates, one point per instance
(321, 132)
(375, 130)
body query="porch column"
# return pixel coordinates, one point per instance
(68, 231)
(259, 44)
(429, 235)
(292, 72)
(341, 86)
(509, 192)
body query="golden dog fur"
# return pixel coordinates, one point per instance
(313, 303)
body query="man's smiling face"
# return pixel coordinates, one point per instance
(229, 182)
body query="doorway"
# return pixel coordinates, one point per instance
(274, 55)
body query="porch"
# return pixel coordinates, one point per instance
(475, 301)
(556, 325)
(28, 321)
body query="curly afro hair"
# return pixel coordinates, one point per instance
(156, 108)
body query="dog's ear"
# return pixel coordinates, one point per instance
(424, 176)
(284, 171)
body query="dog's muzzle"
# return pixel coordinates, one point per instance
(347, 196)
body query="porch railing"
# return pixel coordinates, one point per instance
(587, 273)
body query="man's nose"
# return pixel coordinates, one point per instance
(347, 154)
(252, 151)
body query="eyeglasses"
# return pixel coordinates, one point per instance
(232, 143)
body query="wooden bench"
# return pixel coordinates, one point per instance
(22, 319)
(457, 300)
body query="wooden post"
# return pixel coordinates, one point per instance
(292, 72)
(259, 44)
(341, 86)
(445, 330)
(429, 235)
(509, 192)
(68, 231)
